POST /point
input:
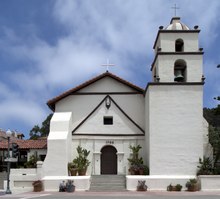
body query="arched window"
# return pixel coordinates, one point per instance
(180, 71)
(179, 45)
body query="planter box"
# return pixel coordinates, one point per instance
(81, 183)
(155, 182)
(210, 182)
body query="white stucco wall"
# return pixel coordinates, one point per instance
(82, 105)
(194, 68)
(164, 63)
(147, 128)
(167, 41)
(207, 147)
(58, 145)
(107, 84)
(121, 124)
(95, 145)
(175, 129)
(190, 41)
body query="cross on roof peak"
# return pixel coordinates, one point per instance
(107, 65)
(175, 8)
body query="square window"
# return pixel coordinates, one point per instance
(108, 120)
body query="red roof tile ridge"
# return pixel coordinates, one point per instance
(26, 144)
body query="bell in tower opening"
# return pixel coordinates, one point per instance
(180, 71)
(179, 75)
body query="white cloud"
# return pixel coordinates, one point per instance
(122, 30)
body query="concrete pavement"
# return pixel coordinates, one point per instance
(113, 195)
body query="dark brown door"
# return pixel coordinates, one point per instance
(108, 160)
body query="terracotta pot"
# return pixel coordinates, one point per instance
(132, 172)
(82, 172)
(38, 186)
(73, 172)
(193, 188)
(141, 171)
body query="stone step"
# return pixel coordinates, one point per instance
(109, 189)
(108, 183)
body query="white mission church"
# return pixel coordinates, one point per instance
(107, 114)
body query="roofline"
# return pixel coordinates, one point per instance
(51, 103)
(173, 31)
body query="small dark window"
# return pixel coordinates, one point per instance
(108, 120)
(42, 157)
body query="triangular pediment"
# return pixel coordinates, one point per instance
(105, 83)
(122, 125)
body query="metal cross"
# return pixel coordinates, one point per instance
(107, 65)
(175, 8)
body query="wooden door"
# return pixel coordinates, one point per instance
(108, 160)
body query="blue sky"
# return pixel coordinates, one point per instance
(48, 47)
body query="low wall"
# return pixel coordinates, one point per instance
(209, 182)
(21, 180)
(51, 183)
(156, 182)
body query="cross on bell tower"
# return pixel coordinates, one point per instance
(175, 8)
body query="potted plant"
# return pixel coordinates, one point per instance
(170, 187)
(192, 185)
(136, 164)
(81, 160)
(32, 162)
(141, 169)
(70, 187)
(178, 187)
(38, 185)
(72, 169)
(141, 185)
(134, 170)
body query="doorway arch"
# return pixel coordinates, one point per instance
(109, 160)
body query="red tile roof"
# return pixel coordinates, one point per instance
(51, 103)
(26, 144)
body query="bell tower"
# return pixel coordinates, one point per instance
(174, 102)
(178, 57)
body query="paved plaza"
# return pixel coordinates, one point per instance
(114, 195)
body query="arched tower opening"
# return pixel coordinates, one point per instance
(179, 45)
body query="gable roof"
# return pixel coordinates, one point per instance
(26, 144)
(51, 103)
(123, 112)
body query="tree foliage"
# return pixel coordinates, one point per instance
(214, 140)
(42, 131)
(212, 116)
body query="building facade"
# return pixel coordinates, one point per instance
(108, 114)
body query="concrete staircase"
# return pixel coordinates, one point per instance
(108, 183)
